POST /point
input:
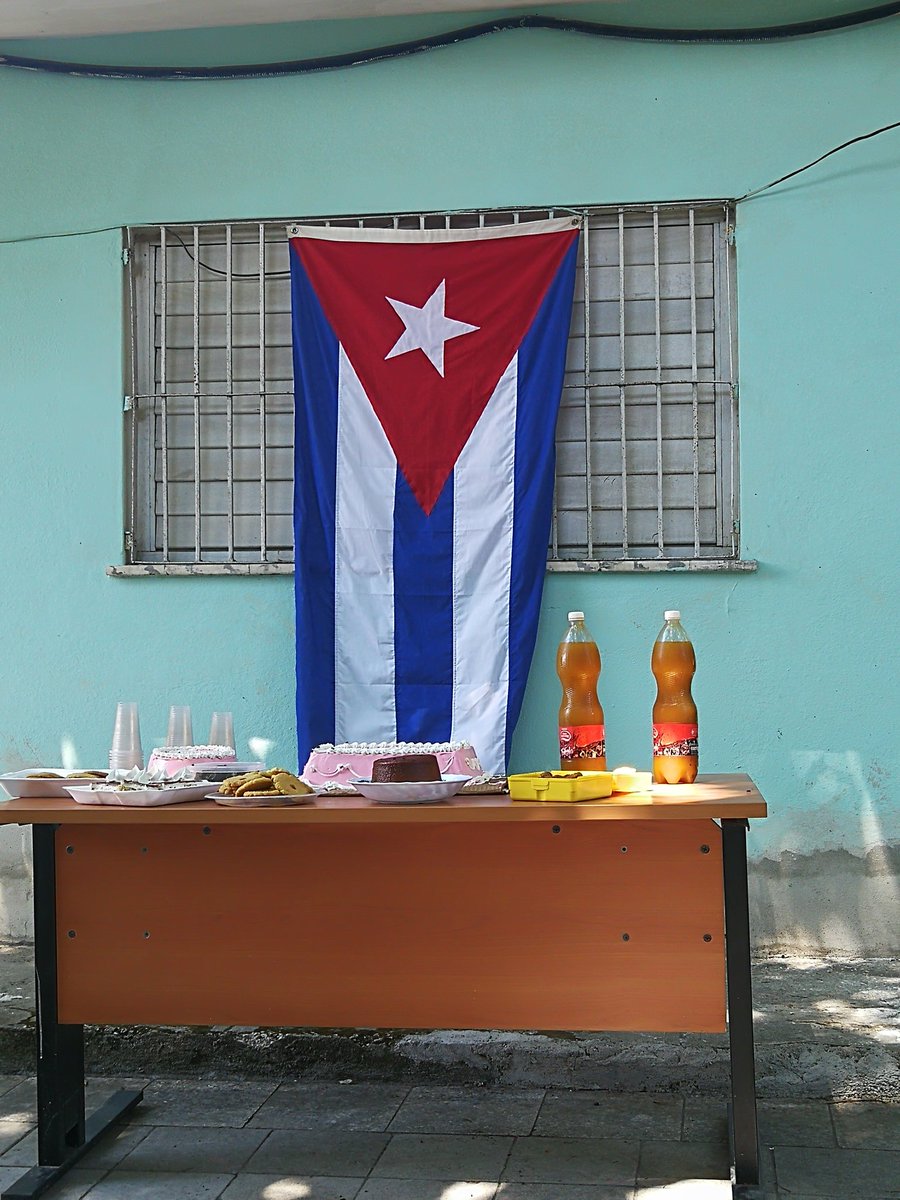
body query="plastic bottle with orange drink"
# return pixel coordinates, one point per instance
(582, 733)
(674, 714)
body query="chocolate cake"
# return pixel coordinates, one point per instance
(406, 768)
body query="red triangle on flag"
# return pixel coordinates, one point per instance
(430, 327)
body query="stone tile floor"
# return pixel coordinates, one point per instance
(241, 1140)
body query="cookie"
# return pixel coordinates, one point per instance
(256, 783)
(228, 786)
(289, 785)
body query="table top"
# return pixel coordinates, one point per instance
(715, 796)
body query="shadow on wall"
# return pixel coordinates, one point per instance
(827, 902)
(829, 882)
(16, 890)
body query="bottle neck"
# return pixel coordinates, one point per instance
(673, 631)
(577, 633)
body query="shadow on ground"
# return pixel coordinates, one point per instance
(825, 1029)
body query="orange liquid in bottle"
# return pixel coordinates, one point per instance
(674, 714)
(580, 713)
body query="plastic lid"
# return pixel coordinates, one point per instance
(673, 614)
(576, 616)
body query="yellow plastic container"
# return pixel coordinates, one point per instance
(627, 779)
(557, 786)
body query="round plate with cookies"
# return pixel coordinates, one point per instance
(263, 789)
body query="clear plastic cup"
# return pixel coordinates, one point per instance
(126, 750)
(125, 762)
(180, 729)
(221, 729)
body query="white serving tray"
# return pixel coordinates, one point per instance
(177, 793)
(19, 787)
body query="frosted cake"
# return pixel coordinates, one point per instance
(348, 761)
(172, 759)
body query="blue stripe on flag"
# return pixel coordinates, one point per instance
(542, 357)
(423, 615)
(315, 450)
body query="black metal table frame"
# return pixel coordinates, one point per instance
(64, 1135)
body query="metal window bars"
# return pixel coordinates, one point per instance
(646, 469)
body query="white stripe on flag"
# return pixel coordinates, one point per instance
(483, 511)
(366, 474)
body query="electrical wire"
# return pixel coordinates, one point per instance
(38, 237)
(219, 271)
(799, 171)
(43, 237)
(740, 199)
(357, 58)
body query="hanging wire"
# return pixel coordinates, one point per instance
(37, 237)
(799, 171)
(218, 271)
(357, 58)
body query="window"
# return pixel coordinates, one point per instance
(647, 435)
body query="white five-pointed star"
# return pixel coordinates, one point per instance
(427, 329)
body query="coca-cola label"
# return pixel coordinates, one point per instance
(582, 741)
(673, 739)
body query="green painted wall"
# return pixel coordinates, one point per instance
(796, 660)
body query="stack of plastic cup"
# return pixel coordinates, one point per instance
(221, 730)
(180, 728)
(126, 750)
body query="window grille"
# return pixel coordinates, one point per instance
(646, 469)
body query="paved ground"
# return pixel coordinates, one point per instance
(484, 1116)
(197, 1140)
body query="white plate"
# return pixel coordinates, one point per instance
(272, 800)
(18, 786)
(176, 793)
(411, 793)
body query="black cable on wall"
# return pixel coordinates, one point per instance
(358, 58)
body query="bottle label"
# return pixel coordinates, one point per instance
(672, 739)
(582, 741)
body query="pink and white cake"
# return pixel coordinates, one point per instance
(343, 764)
(172, 759)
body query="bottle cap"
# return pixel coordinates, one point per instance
(673, 614)
(576, 616)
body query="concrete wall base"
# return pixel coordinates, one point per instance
(829, 902)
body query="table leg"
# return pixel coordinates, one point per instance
(742, 1110)
(63, 1133)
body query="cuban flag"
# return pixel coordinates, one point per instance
(428, 368)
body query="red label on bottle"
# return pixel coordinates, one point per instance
(582, 741)
(673, 739)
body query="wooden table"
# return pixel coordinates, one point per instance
(477, 913)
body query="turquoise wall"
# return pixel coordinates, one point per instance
(796, 660)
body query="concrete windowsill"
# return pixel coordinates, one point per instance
(635, 566)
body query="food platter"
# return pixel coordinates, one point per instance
(175, 793)
(18, 786)
(411, 793)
